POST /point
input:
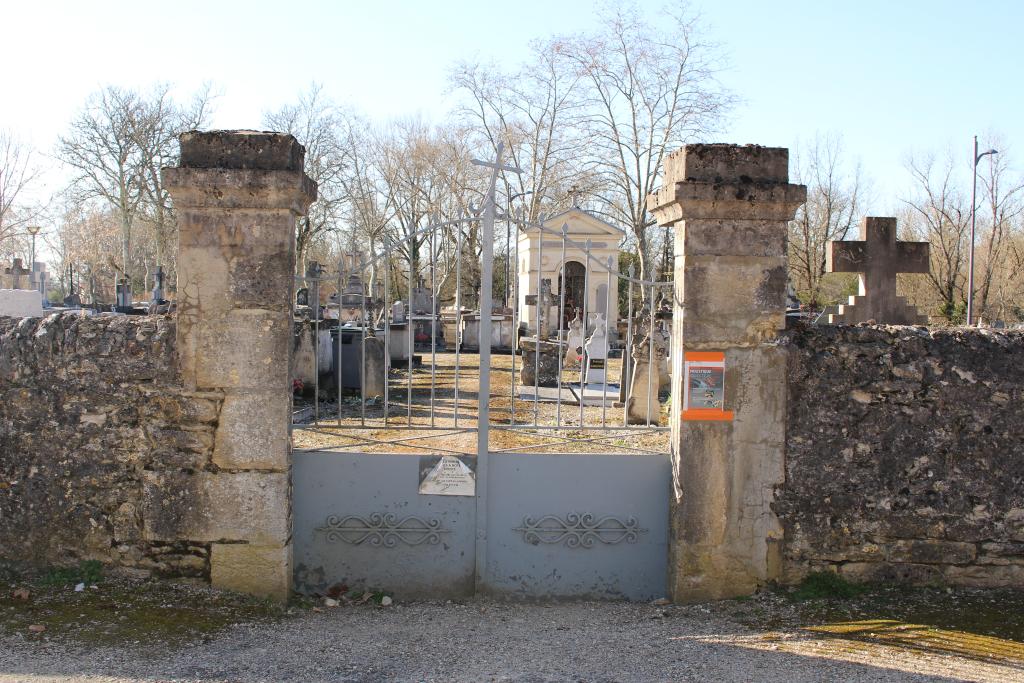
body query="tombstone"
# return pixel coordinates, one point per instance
(375, 367)
(597, 353)
(422, 301)
(574, 340)
(158, 284)
(540, 362)
(20, 303)
(877, 257)
(123, 296)
(642, 406)
(662, 342)
(398, 313)
(17, 276)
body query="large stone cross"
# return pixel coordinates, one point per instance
(14, 275)
(878, 257)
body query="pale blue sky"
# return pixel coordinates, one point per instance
(887, 76)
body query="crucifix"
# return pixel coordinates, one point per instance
(15, 274)
(877, 256)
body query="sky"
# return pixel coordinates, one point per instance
(888, 77)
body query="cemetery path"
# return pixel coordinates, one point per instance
(481, 640)
(368, 434)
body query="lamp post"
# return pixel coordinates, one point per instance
(508, 243)
(974, 204)
(33, 230)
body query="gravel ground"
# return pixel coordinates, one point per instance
(482, 640)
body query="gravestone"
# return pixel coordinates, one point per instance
(17, 276)
(642, 406)
(375, 367)
(878, 256)
(20, 303)
(574, 338)
(597, 352)
(539, 371)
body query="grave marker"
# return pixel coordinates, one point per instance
(878, 256)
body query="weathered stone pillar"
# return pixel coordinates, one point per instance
(237, 195)
(730, 206)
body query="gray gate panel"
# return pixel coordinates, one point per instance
(359, 520)
(578, 526)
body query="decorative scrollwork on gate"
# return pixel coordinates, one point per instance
(579, 530)
(382, 529)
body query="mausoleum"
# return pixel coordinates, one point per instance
(544, 253)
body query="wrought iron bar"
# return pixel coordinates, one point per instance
(627, 353)
(585, 357)
(536, 350)
(561, 321)
(433, 318)
(387, 334)
(362, 347)
(608, 338)
(650, 367)
(409, 335)
(458, 315)
(316, 350)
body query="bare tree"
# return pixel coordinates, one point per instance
(534, 112)
(101, 148)
(939, 214)
(155, 129)
(318, 124)
(833, 206)
(646, 91)
(18, 170)
(1000, 210)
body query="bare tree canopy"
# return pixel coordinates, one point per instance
(832, 211)
(18, 171)
(117, 145)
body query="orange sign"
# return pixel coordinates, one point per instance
(704, 386)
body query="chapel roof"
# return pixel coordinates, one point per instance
(583, 223)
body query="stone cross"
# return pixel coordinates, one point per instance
(877, 256)
(14, 275)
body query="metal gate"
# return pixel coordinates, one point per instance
(435, 482)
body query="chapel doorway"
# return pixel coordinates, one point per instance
(575, 280)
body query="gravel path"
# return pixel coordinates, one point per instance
(488, 641)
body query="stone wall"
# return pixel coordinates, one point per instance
(92, 421)
(905, 455)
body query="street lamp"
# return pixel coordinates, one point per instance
(33, 230)
(974, 205)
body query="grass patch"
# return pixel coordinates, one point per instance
(89, 572)
(825, 586)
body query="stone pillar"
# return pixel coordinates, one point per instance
(730, 206)
(237, 195)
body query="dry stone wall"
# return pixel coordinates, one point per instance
(905, 455)
(96, 432)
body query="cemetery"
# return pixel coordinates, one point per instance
(191, 429)
(553, 388)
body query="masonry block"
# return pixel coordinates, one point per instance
(257, 569)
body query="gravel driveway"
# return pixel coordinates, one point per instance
(488, 641)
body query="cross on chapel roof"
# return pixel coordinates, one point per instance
(878, 257)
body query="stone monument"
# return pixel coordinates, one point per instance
(878, 256)
(597, 353)
(574, 340)
(642, 405)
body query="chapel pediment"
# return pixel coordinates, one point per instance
(582, 223)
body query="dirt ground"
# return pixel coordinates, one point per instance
(119, 630)
(436, 421)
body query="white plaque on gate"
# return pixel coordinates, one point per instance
(446, 475)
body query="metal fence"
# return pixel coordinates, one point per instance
(433, 401)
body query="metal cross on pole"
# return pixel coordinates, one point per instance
(483, 409)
